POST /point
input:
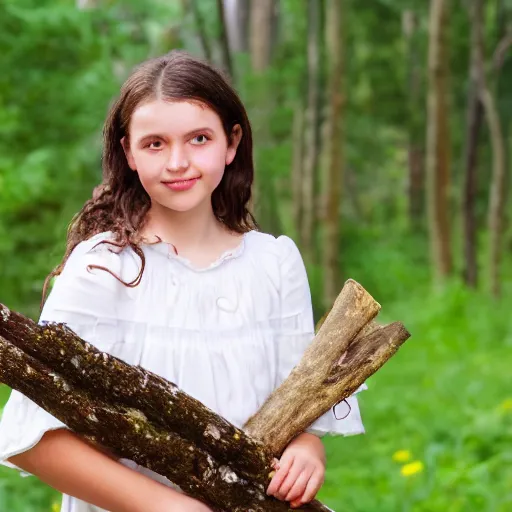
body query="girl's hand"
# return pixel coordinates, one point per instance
(300, 472)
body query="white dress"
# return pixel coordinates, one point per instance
(227, 334)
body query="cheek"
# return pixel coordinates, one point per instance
(148, 165)
(211, 163)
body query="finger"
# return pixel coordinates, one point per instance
(300, 485)
(315, 483)
(283, 468)
(282, 471)
(289, 481)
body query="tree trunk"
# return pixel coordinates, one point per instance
(265, 196)
(237, 24)
(415, 146)
(335, 50)
(312, 136)
(201, 29)
(438, 145)
(297, 166)
(142, 417)
(474, 123)
(261, 33)
(497, 189)
(223, 39)
(416, 189)
(501, 18)
(321, 199)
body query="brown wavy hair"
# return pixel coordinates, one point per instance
(120, 204)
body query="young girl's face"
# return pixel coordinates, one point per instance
(180, 151)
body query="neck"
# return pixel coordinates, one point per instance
(182, 229)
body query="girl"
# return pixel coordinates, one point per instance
(165, 268)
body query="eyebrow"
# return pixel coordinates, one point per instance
(197, 131)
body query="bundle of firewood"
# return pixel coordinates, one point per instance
(140, 416)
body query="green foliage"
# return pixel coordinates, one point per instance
(19, 494)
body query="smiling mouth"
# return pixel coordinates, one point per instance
(181, 184)
(174, 182)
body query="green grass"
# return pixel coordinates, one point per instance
(445, 397)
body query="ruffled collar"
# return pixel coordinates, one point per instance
(167, 249)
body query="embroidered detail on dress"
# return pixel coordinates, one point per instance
(226, 305)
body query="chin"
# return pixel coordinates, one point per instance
(185, 204)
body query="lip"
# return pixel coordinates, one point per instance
(180, 185)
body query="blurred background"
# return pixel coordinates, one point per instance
(383, 146)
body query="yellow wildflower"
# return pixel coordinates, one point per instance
(55, 506)
(506, 405)
(412, 468)
(402, 456)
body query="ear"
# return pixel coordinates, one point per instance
(128, 154)
(235, 138)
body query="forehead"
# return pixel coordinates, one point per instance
(172, 117)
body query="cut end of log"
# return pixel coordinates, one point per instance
(358, 285)
(352, 299)
(361, 293)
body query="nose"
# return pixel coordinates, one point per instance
(178, 160)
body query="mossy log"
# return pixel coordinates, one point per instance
(111, 379)
(141, 416)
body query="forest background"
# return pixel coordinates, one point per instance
(383, 146)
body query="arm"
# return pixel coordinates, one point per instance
(74, 467)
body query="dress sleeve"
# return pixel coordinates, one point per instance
(83, 299)
(296, 333)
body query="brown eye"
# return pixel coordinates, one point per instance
(199, 140)
(155, 145)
